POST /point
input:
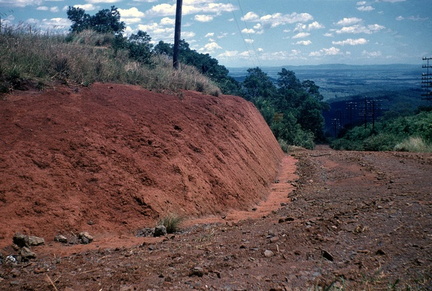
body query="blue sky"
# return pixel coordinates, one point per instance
(249, 33)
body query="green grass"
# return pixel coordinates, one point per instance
(32, 57)
(171, 222)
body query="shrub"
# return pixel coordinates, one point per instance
(171, 222)
(413, 144)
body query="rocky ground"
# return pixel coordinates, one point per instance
(356, 221)
(85, 174)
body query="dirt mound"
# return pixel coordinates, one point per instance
(116, 157)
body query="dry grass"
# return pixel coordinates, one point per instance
(414, 144)
(86, 58)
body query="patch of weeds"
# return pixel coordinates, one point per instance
(171, 222)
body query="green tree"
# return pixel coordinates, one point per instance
(104, 21)
(139, 46)
(258, 84)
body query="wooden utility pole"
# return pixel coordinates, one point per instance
(177, 33)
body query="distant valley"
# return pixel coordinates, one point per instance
(347, 80)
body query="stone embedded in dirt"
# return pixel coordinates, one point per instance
(286, 219)
(197, 271)
(327, 255)
(145, 232)
(85, 237)
(160, 230)
(274, 239)
(268, 254)
(22, 240)
(61, 238)
(36, 241)
(26, 254)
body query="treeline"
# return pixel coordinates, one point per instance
(293, 109)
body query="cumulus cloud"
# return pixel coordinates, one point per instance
(365, 8)
(191, 7)
(203, 18)
(131, 13)
(308, 27)
(54, 9)
(210, 47)
(391, 1)
(356, 29)
(250, 16)
(102, 1)
(326, 52)
(277, 19)
(249, 40)
(20, 3)
(412, 18)
(304, 42)
(349, 21)
(351, 41)
(301, 35)
(371, 54)
(87, 7)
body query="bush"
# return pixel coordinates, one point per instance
(171, 222)
(413, 144)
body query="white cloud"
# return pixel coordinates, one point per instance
(191, 7)
(301, 35)
(167, 21)
(164, 31)
(326, 52)
(20, 3)
(210, 47)
(413, 18)
(277, 19)
(161, 10)
(355, 29)
(210, 34)
(304, 42)
(86, 7)
(248, 31)
(351, 41)
(391, 1)
(132, 12)
(365, 8)
(145, 1)
(349, 21)
(361, 3)
(308, 27)
(249, 40)
(371, 54)
(228, 54)
(250, 16)
(102, 1)
(203, 18)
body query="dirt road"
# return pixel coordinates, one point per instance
(356, 221)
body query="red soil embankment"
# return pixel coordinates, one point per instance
(113, 158)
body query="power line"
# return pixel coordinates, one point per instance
(254, 53)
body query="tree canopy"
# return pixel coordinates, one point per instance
(104, 21)
(293, 109)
